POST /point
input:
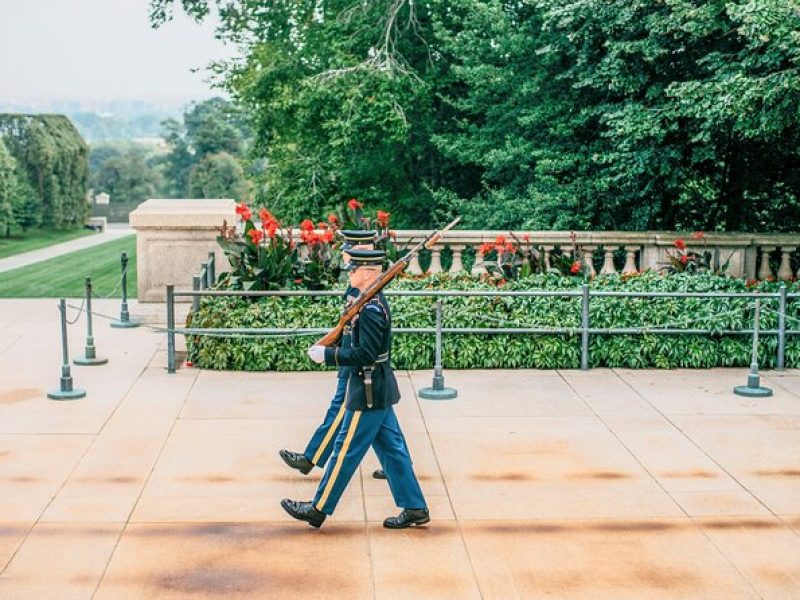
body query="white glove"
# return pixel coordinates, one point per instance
(317, 354)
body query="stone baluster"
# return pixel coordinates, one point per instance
(457, 266)
(764, 272)
(785, 272)
(588, 257)
(413, 267)
(630, 260)
(546, 250)
(436, 259)
(478, 268)
(608, 264)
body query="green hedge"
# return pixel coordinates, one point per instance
(415, 351)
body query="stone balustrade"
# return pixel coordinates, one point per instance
(747, 254)
(175, 236)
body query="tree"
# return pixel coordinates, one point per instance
(52, 161)
(210, 127)
(611, 114)
(127, 177)
(8, 188)
(218, 176)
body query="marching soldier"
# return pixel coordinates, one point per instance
(321, 444)
(371, 391)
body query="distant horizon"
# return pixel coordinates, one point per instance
(95, 51)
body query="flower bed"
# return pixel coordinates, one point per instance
(472, 351)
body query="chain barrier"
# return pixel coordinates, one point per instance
(79, 309)
(116, 287)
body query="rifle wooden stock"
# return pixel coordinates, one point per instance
(330, 338)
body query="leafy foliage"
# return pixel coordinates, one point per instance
(473, 351)
(52, 164)
(543, 114)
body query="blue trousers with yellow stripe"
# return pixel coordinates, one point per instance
(321, 444)
(359, 431)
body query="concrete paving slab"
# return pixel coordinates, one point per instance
(600, 559)
(247, 560)
(60, 560)
(605, 483)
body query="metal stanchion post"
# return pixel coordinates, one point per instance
(212, 269)
(437, 391)
(585, 327)
(780, 363)
(124, 315)
(65, 391)
(90, 355)
(195, 288)
(170, 329)
(753, 388)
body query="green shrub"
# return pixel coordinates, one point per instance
(489, 351)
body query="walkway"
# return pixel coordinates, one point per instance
(567, 484)
(28, 258)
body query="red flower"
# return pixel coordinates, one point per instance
(307, 225)
(299, 280)
(680, 244)
(509, 247)
(576, 267)
(327, 237)
(322, 225)
(383, 218)
(393, 235)
(244, 212)
(271, 229)
(354, 204)
(752, 282)
(265, 216)
(684, 259)
(486, 248)
(256, 235)
(698, 235)
(333, 219)
(501, 282)
(500, 240)
(526, 238)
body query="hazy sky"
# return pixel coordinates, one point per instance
(101, 49)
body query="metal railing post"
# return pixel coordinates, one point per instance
(196, 288)
(65, 391)
(585, 326)
(170, 329)
(437, 391)
(779, 366)
(90, 352)
(212, 268)
(124, 315)
(753, 387)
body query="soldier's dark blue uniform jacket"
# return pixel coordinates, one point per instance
(350, 295)
(369, 347)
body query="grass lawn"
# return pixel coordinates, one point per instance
(63, 277)
(34, 239)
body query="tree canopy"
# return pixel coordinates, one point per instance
(612, 114)
(52, 165)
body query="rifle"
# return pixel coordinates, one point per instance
(330, 338)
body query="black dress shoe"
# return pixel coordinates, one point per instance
(407, 518)
(378, 474)
(303, 511)
(296, 461)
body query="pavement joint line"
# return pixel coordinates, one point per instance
(694, 520)
(446, 489)
(94, 435)
(127, 522)
(696, 445)
(367, 530)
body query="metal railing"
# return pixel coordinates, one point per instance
(584, 330)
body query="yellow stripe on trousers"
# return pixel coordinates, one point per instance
(329, 436)
(340, 459)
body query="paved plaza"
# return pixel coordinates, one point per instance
(565, 484)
